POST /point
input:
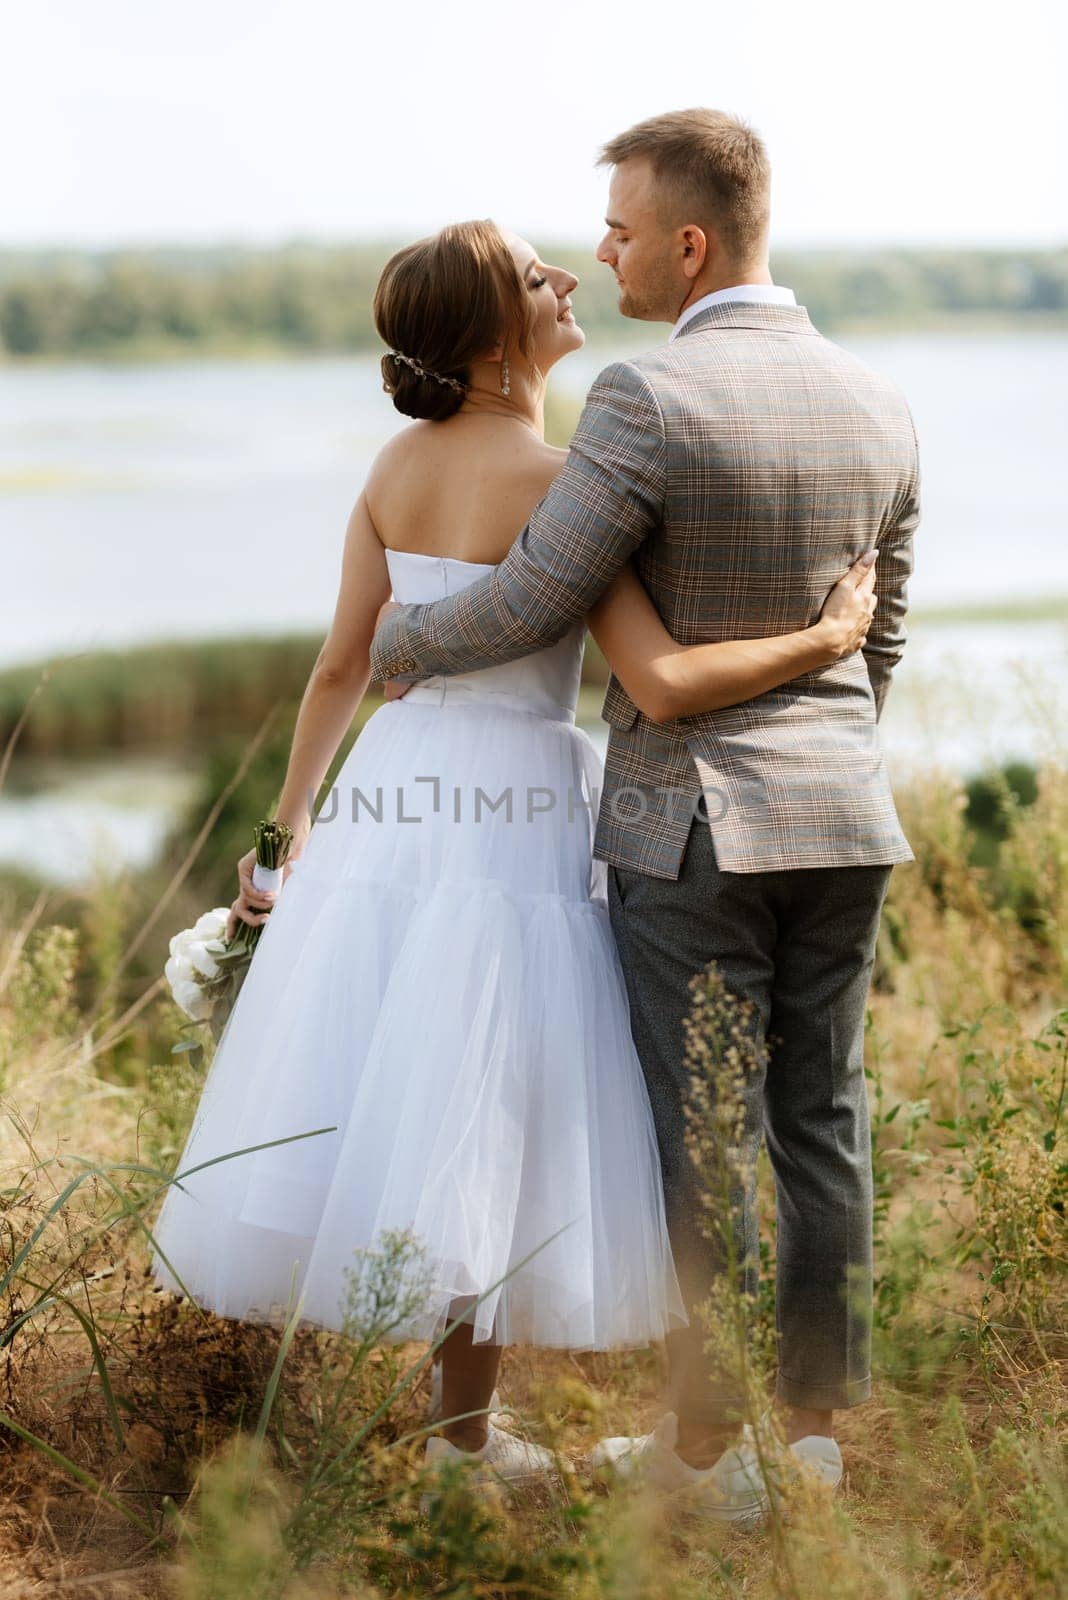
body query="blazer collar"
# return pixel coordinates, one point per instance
(748, 314)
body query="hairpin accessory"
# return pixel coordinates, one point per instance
(424, 372)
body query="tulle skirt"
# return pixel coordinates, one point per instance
(438, 989)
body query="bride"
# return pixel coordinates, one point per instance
(437, 986)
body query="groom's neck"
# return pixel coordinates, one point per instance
(726, 275)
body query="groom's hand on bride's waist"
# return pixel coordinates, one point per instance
(397, 688)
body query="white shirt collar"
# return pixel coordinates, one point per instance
(770, 293)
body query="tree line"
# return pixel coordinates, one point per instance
(308, 297)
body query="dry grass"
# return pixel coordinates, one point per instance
(140, 1458)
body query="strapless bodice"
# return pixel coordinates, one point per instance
(545, 682)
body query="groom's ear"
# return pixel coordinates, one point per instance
(694, 242)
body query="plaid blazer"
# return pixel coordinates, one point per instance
(744, 465)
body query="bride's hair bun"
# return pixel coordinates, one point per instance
(441, 303)
(419, 392)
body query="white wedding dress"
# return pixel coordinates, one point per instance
(438, 983)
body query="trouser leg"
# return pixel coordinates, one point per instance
(816, 1127)
(668, 930)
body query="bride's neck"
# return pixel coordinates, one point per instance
(525, 400)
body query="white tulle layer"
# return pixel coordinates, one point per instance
(447, 997)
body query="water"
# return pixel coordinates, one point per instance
(208, 497)
(204, 498)
(85, 821)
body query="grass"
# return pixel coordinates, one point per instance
(150, 1449)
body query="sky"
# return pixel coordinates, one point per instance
(259, 121)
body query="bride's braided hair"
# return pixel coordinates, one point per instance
(441, 304)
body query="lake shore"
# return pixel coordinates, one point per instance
(164, 352)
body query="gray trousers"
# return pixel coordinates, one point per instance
(800, 945)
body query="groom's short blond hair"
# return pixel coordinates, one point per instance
(712, 168)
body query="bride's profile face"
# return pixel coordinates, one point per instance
(555, 332)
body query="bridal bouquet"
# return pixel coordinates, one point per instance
(205, 970)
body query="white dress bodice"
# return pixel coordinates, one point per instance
(546, 682)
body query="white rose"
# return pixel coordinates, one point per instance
(202, 960)
(212, 924)
(178, 969)
(181, 941)
(192, 1000)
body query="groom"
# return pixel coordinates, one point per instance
(744, 465)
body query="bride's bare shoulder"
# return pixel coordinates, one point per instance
(403, 455)
(403, 446)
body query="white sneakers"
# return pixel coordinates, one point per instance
(730, 1491)
(734, 1488)
(820, 1457)
(503, 1458)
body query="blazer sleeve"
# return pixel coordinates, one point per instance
(606, 499)
(888, 635)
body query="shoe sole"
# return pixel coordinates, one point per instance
(742, 1519)
(756, 1511)
(779, 1501)
(684, 1496)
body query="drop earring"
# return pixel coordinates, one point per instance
(506, 377)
